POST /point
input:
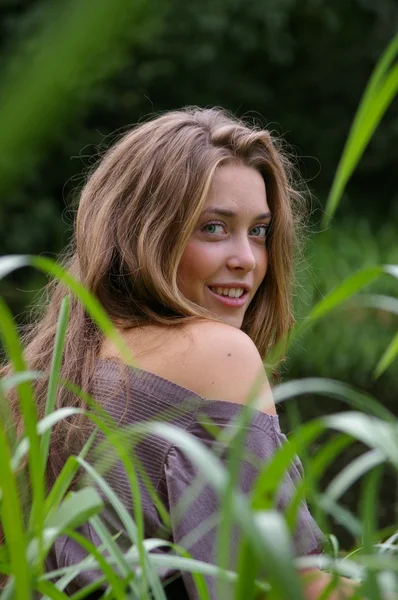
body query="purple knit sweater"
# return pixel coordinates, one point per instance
(131, 395)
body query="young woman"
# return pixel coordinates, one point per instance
(185, 232)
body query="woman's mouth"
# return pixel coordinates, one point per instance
(234, 297)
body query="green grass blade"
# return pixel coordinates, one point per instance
(368, 506)
(14, 350)
(348, 288)
(200, 582)
(49, 590)
(269, 552)
(113, 499)
(387, 358)
(74, 511)
(49, 75)
(371, 431)
(381, 100)
(158, 561)
(125, 518)
(378, 95)
(333, 300)
(12, 522)
(44, 426)
(341, 515)
(337, 297)
(248, 568)
(54, 374)
(381, 69)
(362, 134)
(65, 478)
(352, 472)
(389, 543)
(91, 588)
(314, 470)
(7, 421)
(114, 551)
(8, 264)
(8, 383)
(378, 301)
(125, 457)
(333, 389)
(236, 450)
(263, 495)
(113, 578)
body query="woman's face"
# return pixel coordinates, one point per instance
(225, 259)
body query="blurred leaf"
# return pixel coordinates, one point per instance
(387, 358)
(379, 93)
(370, 430)
(369, 502)
(47, 75)
(7, 383)
(378, 301)
(55, 370)
(74, 511)
(43, 426)
(49, 590)
(269, 552)
(112, 548)
(27, 404)
(352, 472)
(113, 578)
(348, 288)
(8, 264)
(333, 389)
(12, 522)
(65, 477)
(342, 515)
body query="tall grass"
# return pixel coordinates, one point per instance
(266, 546)
(27, 541)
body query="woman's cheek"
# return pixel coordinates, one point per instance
(208, 260)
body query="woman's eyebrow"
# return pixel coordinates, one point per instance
(225, 212)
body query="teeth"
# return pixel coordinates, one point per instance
(230, 292)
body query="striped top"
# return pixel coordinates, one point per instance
(133, 396)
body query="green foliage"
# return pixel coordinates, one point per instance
(192, 50)
(379, 93)
(350, 342)
(49, 74)
(26, 550)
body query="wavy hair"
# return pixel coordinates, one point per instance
(136, 212)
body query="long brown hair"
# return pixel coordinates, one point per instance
(135, 215)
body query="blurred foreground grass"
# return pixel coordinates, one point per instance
(30, 528)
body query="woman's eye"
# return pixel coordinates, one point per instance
(213, 228)
(259, 231)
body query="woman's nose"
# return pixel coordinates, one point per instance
(242, 257)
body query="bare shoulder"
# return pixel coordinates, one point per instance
(222, 341)
(214, 360)
(222, 362)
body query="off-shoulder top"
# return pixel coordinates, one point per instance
(131, 395)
